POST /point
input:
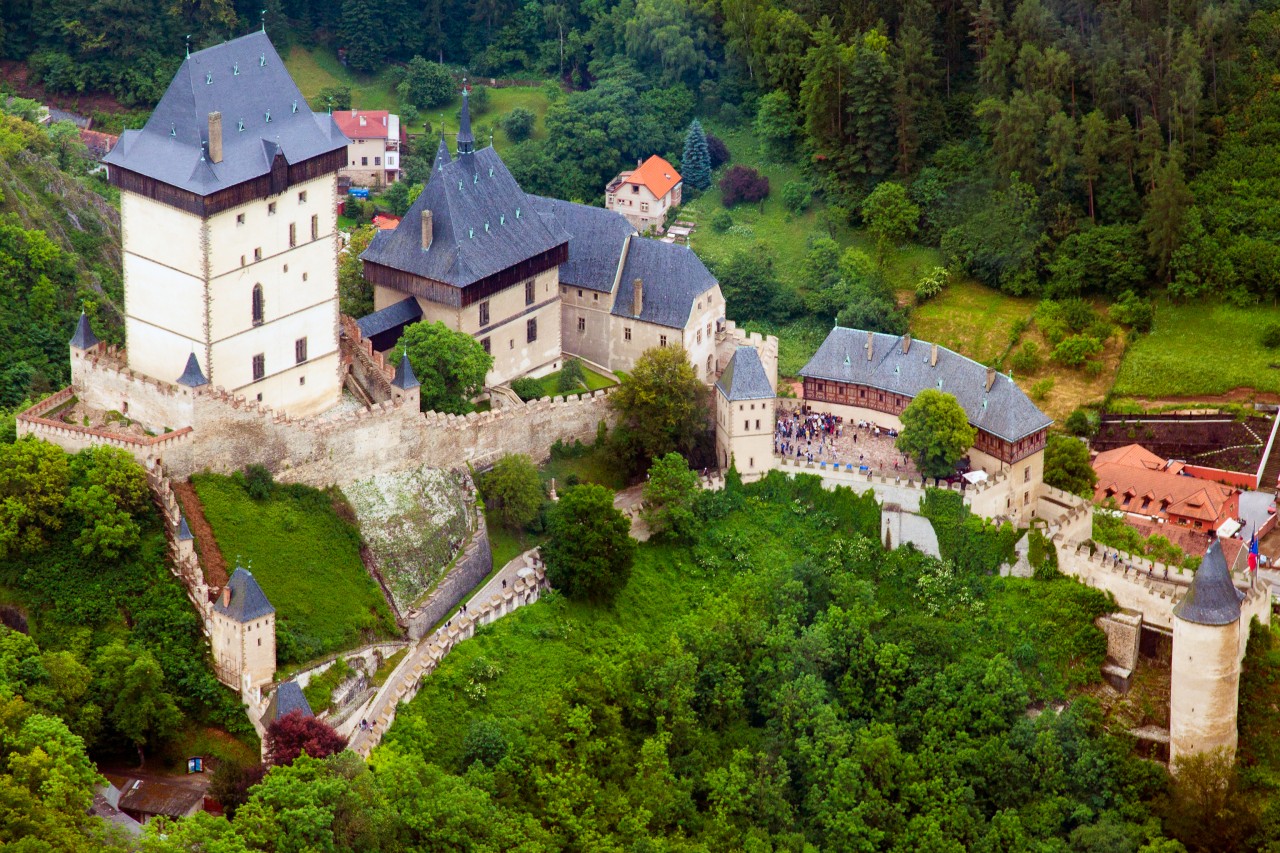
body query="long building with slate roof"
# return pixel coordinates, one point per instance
(229, 231)
(535, 279)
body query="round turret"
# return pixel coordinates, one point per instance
(1204, 698)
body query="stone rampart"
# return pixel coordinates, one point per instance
(472, 566)
(103, 381)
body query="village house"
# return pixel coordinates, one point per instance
(1148, 488)
(535, 279)
(373, 156)
(644, 194)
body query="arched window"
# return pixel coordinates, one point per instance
(257, 305)
(710, 366)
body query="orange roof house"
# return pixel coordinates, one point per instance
(373, 156)
(645, 194)
(1144, 485)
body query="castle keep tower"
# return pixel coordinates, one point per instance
(745, 415)
(229, 227)
(1206, 661)
(242, 634)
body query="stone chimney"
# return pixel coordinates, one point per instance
(991, 377)
(637, 297)
(226, 596)
(906, 343)
(215, 137)
(871, 336)
(426, 229)
(933, 356)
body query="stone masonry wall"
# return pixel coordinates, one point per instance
(472, 566)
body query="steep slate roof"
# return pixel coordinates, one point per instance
(170, 147)
(192, 376)
(376, 123)
(656, 174)
(404, 378)
(596, 237)
(1004, 411)
(673, 277)
(287, 698)
(184, 530)
(405, 311)
(744, 377)
(1187, 496)
(482, 223)
(1212, 599)
(84, 336)
(248, 601)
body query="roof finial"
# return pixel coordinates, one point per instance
(263, 14)
(188, 45)
(466, 142)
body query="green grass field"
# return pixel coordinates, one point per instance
(307, 561)
(971, 318)
(594, 382)
(1201, 349)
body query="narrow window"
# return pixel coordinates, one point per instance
(511, 343)
(746, 425)
(528, 292)
(271, 208)
(300, 350)
(757, 424)
(531, 330)
(377, 161)
(258, 306)
(626, 333)
(315, 227)
(582, 324)
(662, 340)
(259, 366)
(484, 313)
(293, 234)
(364, 161)
(699, 336)
(302, 380)
(257, 254)
(484, 342)
(304, 276)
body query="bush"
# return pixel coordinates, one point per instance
(571, 377)
(722, 221)
(1140, 315)
(485, 742)
(718, 151)
(335, 97)
(1027, 359)
(1076, 350)
(527, 389)
(479, 99)
(258, 482)
(741, 183)
(933, 283)
(796, 196)
(1041, 389)
(1079, 423)
(1271, 336)
(426, 84)
(518, 124)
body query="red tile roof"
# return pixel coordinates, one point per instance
(385, 222)
(374, 126)
(1137, 473)
(1133, 455)
(656, 174)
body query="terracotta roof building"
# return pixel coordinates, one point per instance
(373, 157)
(1144, 485)
(645, 194)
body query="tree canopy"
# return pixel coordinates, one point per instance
(513, 489)
(935, 432)
(661, 406)
(1067, 466)
(451, 365)
(589, 549)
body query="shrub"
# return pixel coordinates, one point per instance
(479, 100)
(741, 183)
(337, 97)
(518, 124)
(1271, 336)
(1041, 389)
(1076, 350)
(1027, 359)
(722, 221)
(571, 377)
(527, 389)
(933, 283)
(1140, 315)
(796, 196)
(258, 482)
(1079, 423)
(718, 151)
(426, 84)
(485, 742)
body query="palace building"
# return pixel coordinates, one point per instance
(229, 229)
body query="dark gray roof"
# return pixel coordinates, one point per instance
(406, 310)
(596, 237)
(184, 530)
(466, 142)
(482, 223)
(192, 376)
(442, 156)
(246, 81)
(84, 336)
(287, 698)
(744, 377)
(1004, 411)
(1212, 599)
(404, 378)
(248, 601)
(673, 277)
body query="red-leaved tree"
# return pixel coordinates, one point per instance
(741, 183)
(289, 736)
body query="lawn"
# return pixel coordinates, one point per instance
(307, 560)
(594, 381)
(1199, 350)
(588, 465)
(972, 319)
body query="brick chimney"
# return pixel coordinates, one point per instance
(426, 229)
(933, 356)
(226, 596)
(637, 297)
(906, 343)
(991, 377)
(215, 137)
(871, 337)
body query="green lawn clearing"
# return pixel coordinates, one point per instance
(972, 319)
(588, 464)
(594, 382)
(307, 560)
(1202, 349)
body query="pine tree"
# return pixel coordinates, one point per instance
(696, 161)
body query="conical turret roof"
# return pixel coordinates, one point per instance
(192, 376)
(84, 336)
(1212, 599)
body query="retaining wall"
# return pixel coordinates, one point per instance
(472, 566)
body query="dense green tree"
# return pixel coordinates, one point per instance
(1107, 259)
(589, 549)
(355, 293)
(1066, 466)
(890, 216)
(695, 162)
(33, 487)
(935, 432)
(513, 490)
(661, 406)
(131, 690)
(426, 84)
(669, 494)
(450, 365)
(518, 124)
(775, 126)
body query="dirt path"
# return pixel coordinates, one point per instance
(215, 568)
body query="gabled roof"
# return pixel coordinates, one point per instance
(1212, 599)
(656, 174)
(673, 277)
(248, 601)
(157, 797)
(399, 313)
(1004, 411)
(482, 223)
(596, 237)
(246, 81)
(376, 124)
(1132, 455)
(1169, 493)
(84, 336)
(287, 698)
(744, 377)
